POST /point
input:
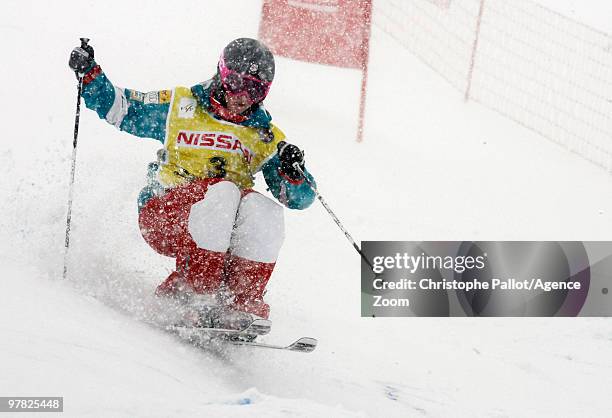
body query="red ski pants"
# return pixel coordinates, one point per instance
(215, 239)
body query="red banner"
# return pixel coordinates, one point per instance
(334, 32)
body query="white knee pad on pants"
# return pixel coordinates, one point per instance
(259, 230)
(211, 220)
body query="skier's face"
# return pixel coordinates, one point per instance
(238, 102)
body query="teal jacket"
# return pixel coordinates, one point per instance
(144, 115)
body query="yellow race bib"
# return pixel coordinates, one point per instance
(198, 146)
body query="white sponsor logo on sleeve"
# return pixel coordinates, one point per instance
(151, 97)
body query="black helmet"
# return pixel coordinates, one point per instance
(251, 57)
(246, 65)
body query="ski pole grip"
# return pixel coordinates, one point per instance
(296, 165)
(85, 46)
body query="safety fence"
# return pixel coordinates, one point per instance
(547, 72)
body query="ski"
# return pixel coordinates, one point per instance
(242, 336)
(302, 345)
(255, 327)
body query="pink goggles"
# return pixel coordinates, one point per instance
(237, 83)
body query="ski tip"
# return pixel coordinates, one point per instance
(304, 345)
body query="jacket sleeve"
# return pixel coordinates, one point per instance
(140, 114)
(293, 194)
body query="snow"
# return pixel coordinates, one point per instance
(430, 168)
(594, 13)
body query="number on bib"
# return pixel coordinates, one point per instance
(218, 170)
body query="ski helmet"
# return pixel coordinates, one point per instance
(246, 65)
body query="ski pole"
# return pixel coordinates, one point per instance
(84, 42)
(333, 215)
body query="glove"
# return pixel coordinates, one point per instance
(81, 58)
(289, 155)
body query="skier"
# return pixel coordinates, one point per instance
(199, 206)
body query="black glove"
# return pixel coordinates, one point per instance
(81, 58)
(289, 155)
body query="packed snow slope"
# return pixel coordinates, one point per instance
(430, 168)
